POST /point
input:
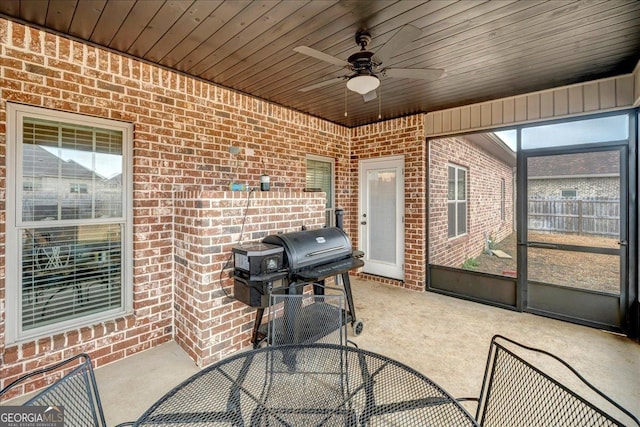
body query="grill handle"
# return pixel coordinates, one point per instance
(324, 251)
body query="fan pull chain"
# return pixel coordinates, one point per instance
(379, 103)
(345, 101)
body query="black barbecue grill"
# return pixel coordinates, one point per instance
(289, 261)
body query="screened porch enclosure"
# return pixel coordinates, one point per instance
(565, 252)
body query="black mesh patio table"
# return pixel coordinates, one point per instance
(307, 385)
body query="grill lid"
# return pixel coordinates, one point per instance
(309, 248)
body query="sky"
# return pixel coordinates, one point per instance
(509, 137)
(601, 129)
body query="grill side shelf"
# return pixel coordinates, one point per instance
(332, 269)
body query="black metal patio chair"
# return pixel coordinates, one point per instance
(525, 386)
(75, 390)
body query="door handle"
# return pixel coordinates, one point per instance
(363, 222)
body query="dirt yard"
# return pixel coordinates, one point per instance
(567, 268)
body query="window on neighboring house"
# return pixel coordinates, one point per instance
(503, 199)
(572, 193)
(67, 261)
(457, 201)
(320, 178)
(79, 188)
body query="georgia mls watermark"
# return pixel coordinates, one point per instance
(31, 416)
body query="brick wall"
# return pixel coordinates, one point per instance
(483, 195)
(404, 136)
(183, 129)
(208, 324)
(593, 187)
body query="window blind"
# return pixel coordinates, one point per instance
(70, 172)
(320, 178)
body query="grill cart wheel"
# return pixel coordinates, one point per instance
(358, 326)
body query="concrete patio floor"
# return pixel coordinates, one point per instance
(445, 338)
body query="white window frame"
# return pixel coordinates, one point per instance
(331, 210)
(456, 202)
(503, 199)
(13, 282)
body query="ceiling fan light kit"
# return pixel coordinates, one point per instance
(365, 66)
(363, 83)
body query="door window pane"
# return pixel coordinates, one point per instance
(382, 218)
(573, 200)
(596, 272)
(591, 204)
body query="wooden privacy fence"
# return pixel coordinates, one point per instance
(581, 216)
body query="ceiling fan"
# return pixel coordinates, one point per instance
(366, 67)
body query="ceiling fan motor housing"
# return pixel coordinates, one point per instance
(363, 38)
(362, 62)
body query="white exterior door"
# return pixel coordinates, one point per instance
(381, 216)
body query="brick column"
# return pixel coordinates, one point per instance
(209, 323)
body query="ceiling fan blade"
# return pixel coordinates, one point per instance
(403, 37)
(321, 84)
(414, 73)
(321, 56)
(370, 96)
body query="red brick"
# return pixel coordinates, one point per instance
(182, 131)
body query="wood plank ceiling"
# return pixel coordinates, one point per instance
(488, 49)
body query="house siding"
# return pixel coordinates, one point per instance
(596, 187)
(483, 194)
(609, 94)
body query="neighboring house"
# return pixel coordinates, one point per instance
(51, 183)
(575, 193)
(583, 175)
(471, 196)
